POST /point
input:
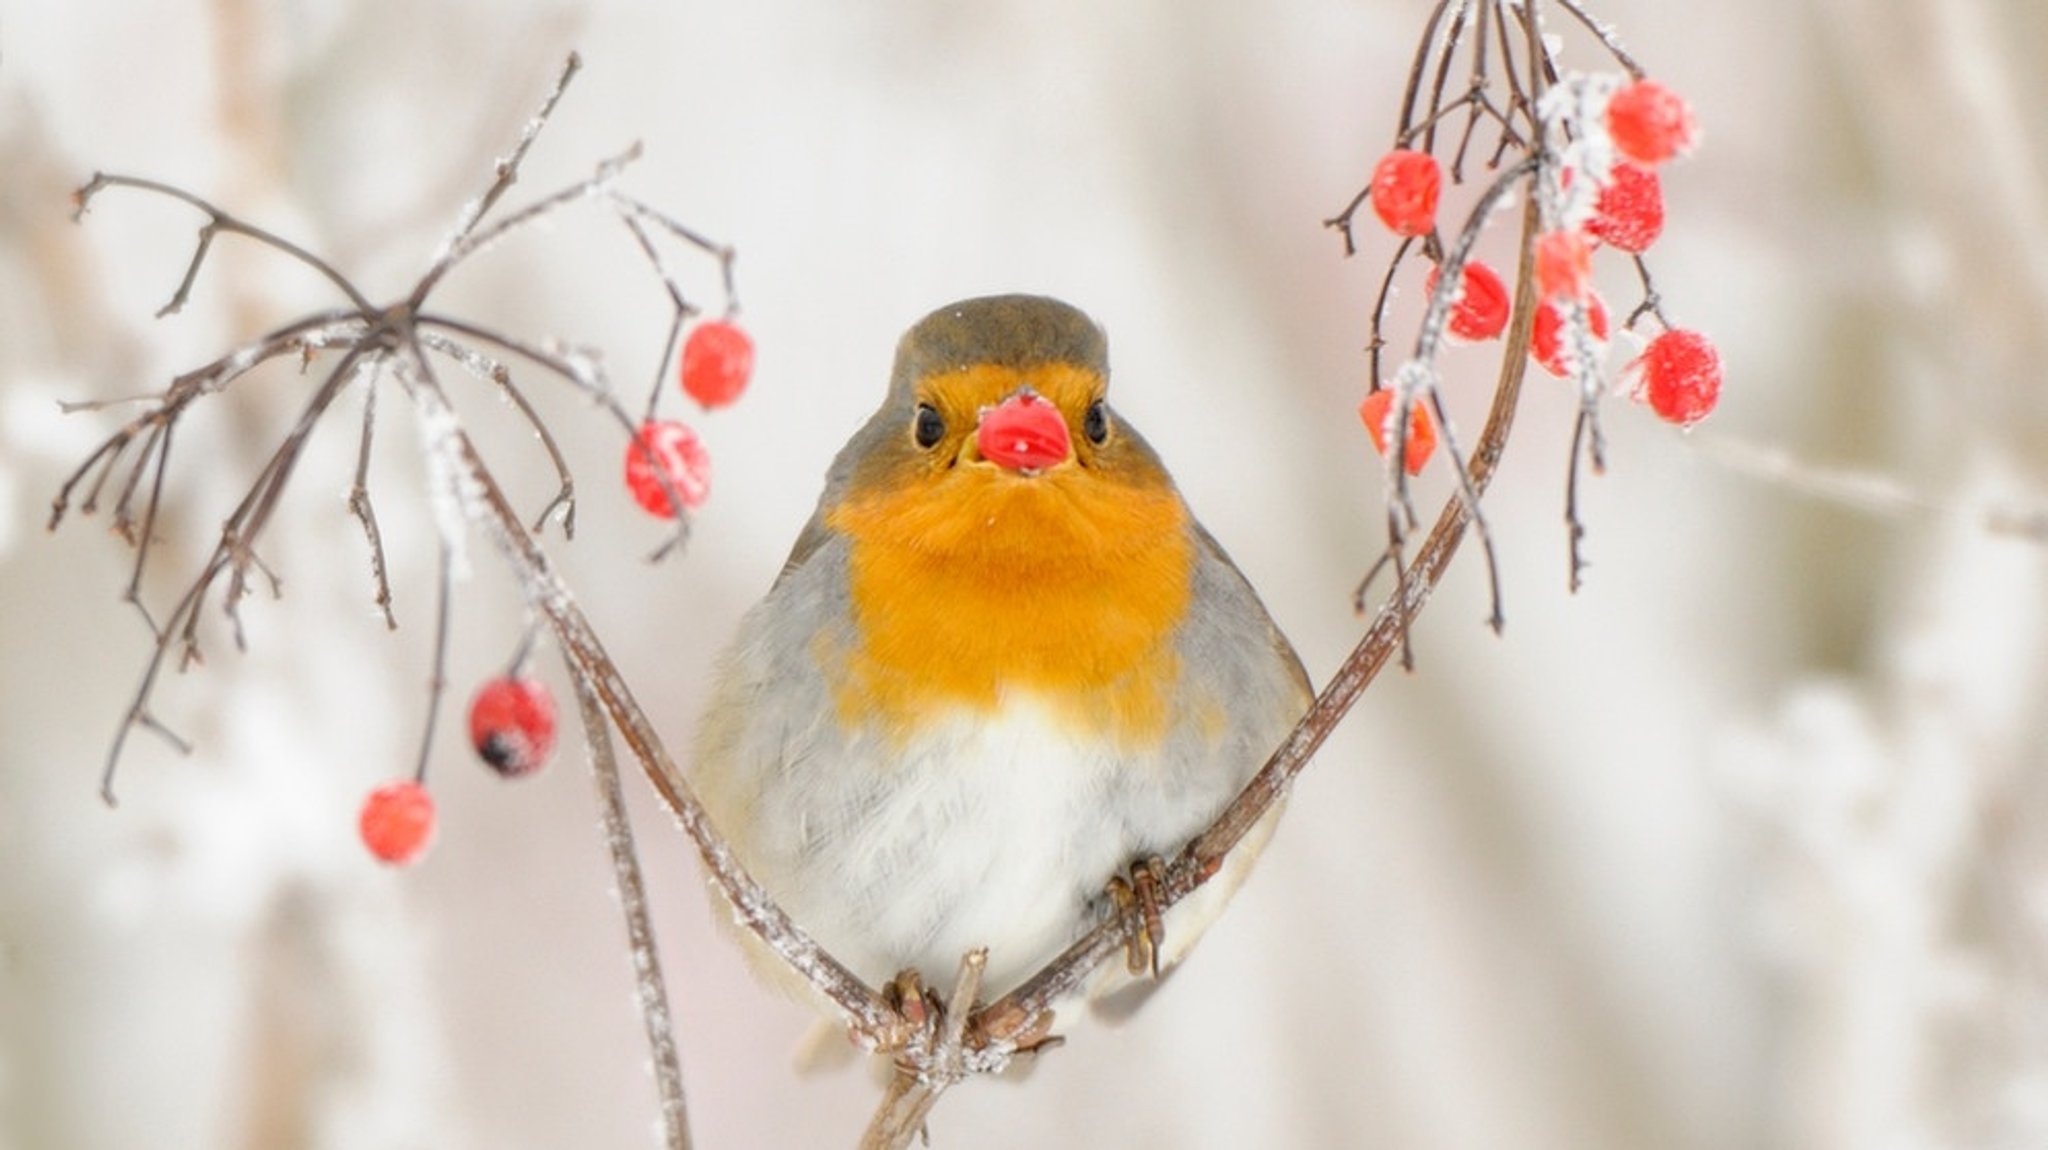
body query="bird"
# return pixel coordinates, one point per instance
(1002, 664)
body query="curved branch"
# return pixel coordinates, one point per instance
(217, 221)
(487, 506)
(1201, 858)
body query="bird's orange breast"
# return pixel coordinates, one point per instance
(976, 584)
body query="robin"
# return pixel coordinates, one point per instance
(1002, 664)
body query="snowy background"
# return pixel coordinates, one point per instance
(1746, 845)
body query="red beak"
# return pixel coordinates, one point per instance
(1023, 433)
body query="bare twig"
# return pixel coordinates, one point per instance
(1605, 33)
(1587, 444)
(651, 988)
(437, 679)
(359, 505)
(499, 375)
(1652, 303)
(217, 221)
(507, 175)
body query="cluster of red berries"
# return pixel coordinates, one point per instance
(666, 455)
(1679, 371)
(512, 727)
(512, 717)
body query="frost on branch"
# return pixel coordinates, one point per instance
(359, 344)
(1520, 126)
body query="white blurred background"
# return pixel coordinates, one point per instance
(1742, 846)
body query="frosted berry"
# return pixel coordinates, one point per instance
(1421, 429)
(1547, 344)
(1481, 309)
(512, 725)
(1650, 123)
(397, 822)
(1681, 376)
(717, 360)
(679, 455)
(1630, 211)
(1405, 186)
(1564, 265)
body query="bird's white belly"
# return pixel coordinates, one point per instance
(986, 830)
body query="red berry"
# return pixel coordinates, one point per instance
(679, 455)
(1650, 123)
(1564, 265)
(1681, 378)
(717, 359)
(1405, 185)
(512, 725)
(1481, 309)
(1421, 430)
(397, 821)
(1630, 211)
(1024, 433)
(1547, 344)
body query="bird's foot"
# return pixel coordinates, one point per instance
(1136, 897)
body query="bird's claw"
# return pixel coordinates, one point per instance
(1137, 904)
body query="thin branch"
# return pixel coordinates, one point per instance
(1453, 36)
(155, 456)
(359, 506)
(1606, 35)
(1379, 310)
(682, 309)
(650, 988)
(1519, 103)
(507, 174)
(1652, 304)
(469, 243)
(1419, 66)
(583, 373)
(437, 680)
(640, 209)
(138, 714)
(486, 368)
(217, 221)
(170, 403)
(1587, 444)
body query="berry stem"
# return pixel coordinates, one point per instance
(437, 680)
(1653, 302)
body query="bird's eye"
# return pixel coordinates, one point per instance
(930, 426)
(1095, 424)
